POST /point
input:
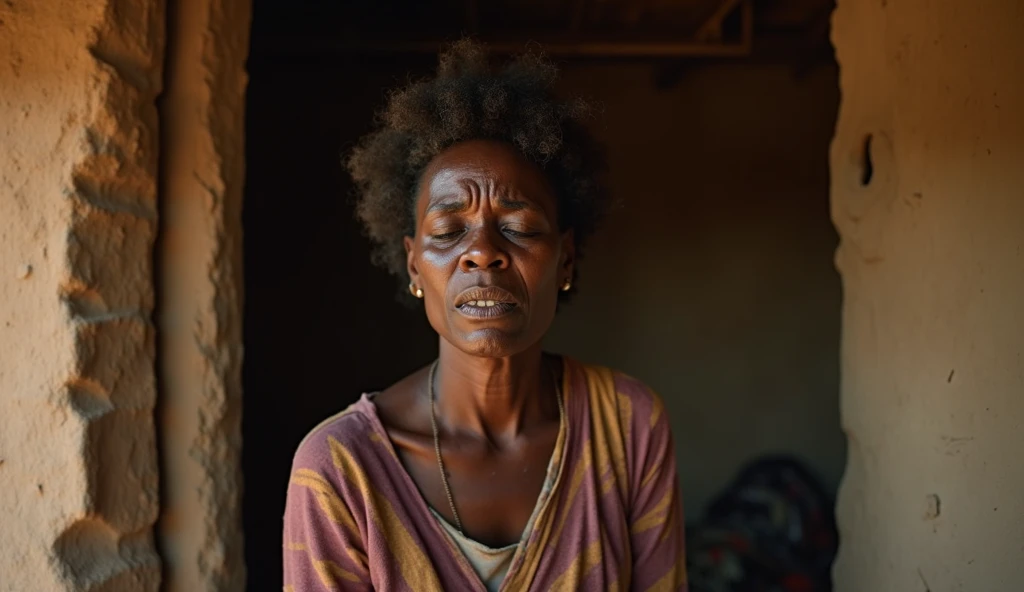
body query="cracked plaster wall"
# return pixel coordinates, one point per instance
(80, 167)
(932, 261)
(78, 161)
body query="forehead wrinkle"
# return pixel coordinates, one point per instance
(447, 199)
(470, 186)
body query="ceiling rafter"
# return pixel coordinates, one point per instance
(711, 30)
(577, 40)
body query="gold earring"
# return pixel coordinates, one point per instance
(415, 290)
(567, 285)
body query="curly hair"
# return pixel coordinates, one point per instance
(468, 100)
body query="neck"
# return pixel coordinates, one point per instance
(495, 399)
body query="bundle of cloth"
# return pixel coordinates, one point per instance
(771, 530)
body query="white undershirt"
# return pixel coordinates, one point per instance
(492, 564)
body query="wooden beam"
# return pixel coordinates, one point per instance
(565, 45)
(711, 30)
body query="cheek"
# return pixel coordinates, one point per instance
(542, 275)
(544, 300)
(435, 271)
(437, 316)
(435, 268)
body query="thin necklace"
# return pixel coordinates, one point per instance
(437, 438)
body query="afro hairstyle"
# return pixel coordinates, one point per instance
(468, 100)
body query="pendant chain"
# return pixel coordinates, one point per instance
(437, 439)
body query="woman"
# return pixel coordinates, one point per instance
(497, 466)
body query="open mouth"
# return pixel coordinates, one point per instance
(486, 308)
(486, 302)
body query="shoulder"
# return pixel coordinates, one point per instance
(637, 403)
(628, 417)
(318, 450)
(645, 403)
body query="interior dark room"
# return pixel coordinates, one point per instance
(717, 115)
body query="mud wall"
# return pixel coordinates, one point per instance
(78, 201)
(199, 307)
(928, 197)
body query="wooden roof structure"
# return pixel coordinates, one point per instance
(566, 28)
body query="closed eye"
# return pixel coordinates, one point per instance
(447, 236)
(519, 233)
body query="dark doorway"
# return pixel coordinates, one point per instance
(730, 146)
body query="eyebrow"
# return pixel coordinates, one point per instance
(449, 206)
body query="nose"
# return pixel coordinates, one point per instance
(484, 251)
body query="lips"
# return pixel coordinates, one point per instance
(492, 294)
(486, 302)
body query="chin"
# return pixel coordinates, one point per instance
(490, 343)
(500, 337)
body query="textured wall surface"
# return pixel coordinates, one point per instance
(199, 301)
(78, 158)
(932, 261)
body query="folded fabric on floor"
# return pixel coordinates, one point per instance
(771, 530)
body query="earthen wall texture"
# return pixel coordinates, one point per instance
(78, 211)
(932, 262)
(199, 312)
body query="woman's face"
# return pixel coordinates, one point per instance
(488, 253)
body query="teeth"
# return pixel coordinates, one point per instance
(482, 303)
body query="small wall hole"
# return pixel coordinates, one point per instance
(867, 168)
